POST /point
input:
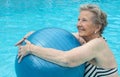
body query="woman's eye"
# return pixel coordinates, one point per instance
(84, 20)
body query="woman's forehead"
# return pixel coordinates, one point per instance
(86, 14)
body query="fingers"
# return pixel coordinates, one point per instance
(19, 47)
(28, 34)
(23, 50)
(27, 42)
(20, 58)
(19, 42)
(20, 54)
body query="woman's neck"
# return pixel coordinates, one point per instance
(88, 38)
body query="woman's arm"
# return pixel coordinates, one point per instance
(71, 58)
(76, 35)
(24, 38)
(80, 39)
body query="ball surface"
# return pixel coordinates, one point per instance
(33, 66)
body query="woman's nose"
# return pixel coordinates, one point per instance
(78, 23)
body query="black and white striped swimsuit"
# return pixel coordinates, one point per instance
(95, 71)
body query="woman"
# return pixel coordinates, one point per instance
(99, 59)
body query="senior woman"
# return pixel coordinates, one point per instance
(94, 51)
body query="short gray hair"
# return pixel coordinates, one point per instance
(99, 16)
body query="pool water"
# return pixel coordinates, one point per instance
(18, 17)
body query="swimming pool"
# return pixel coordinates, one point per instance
(17, 17)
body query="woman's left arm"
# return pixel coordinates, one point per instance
(71, 58)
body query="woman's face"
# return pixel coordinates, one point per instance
(85, 24)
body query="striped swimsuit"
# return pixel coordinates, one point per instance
(95, 71)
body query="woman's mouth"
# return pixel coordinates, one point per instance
(81, 29)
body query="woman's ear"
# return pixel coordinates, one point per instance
(98, 28)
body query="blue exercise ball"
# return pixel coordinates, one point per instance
(33, 66)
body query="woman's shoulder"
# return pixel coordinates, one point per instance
(98, 41)
(97, 44)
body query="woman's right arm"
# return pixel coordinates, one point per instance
(80, 39)
(76, 35)
(24, 38)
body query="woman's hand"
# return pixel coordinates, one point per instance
(24, 50)
(23, 39)
(81, 40)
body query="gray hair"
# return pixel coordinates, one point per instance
(99, 16)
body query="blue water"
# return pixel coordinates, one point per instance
(18, 17)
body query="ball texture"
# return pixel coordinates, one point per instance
(33, 66)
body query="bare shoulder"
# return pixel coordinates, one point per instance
(97, 41)
(97, 44)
